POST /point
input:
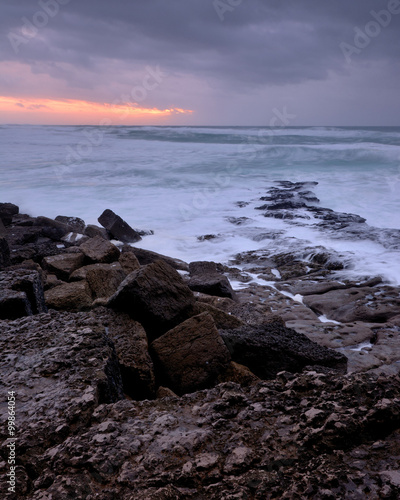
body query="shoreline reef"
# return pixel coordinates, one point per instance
(140, 376)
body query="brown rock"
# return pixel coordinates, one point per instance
(148, 257)
(7, 211)
(206, 278)
(131, 346)
(75, 224)
(64, 264)
(223, 320)
(164, 392)
(51, 228)
(27, 282)
(104, 279)
(239, 374)
(191, 355)
(92, 231)
(156, 296)
(129, 262)
(69, 297)
(100, 250)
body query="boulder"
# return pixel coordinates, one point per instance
(104, 279)
(205, 278)
(98, 249)
(74, 296)
(7, 211)
(64, 264)
(118, 228)
(191, 355)
(129, 262)
(27, 282)
(75, 224)
(270, 348)
(156, 296)
(4, 253)
(92, 231)
(51, 228)
(148, 257)
(131, 346)
(222, 319)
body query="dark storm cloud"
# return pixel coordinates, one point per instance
(258, 42)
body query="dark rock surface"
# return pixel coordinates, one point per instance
(148, 257)
(156, 296)
(75, 224)
(63, 265)
(118, 228)
(74, 296)
(206, 278)
(270, 348)
(98, 249)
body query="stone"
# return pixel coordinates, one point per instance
(222, 319)
(191, 355)
(27, 282)
(52, 281)
(156, 296)
(63, 265)
(237, 373)
(98, 249)
(75, 224)
(74, 296)
(7, 211)
(148, 257)
(92, 231)
(131, 345)
(118, 228)
(129, 262)
(4, 253)
(104, 279)
(51, 229)
(164, 392)
(270, 348)
(205, 278)
(14, 304)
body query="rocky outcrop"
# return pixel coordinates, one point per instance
(206, 278)
(191, 355)
(117, 228)
(99, 250)
(156, 296)
(270, 348)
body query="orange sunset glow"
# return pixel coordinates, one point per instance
(70, 111)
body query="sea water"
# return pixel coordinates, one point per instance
(186, 182)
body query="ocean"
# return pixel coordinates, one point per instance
(187, 182)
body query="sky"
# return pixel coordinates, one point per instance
(200, 62)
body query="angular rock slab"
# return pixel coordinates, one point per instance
(205, 278)
(270, 348)
(27, 284)
(118, 228)
(74, 296)
(192, 354)
(98, 249)
(131, 346)
(61, 367)
(156, 296)
(64, 264)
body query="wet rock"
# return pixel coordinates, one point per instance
(29, 285)
(129, 262)
(118, 228)
(4, 253)
(156, 296)
(14, 304)
(148, 257)
(191, 355)
(100, 250)
(270, 348)
(74, 296)
(205, 278)
(7, 211)
(51, 229)
(104, 279)
(222, 319)
(92, 231)
(63, 265)
(75, 224)
(131, 345)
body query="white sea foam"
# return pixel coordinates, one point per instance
(184, 182)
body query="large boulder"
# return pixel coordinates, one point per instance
(52, 229)
(118, 228)
(129, 262)
(148, 257)
(92, 231)
(64, 264)
(270, 348)
(7, 211)
(191, 355)
(75, 224)
(206, 278)
(100, 250)
(74, 296)
(21, 293)
(104, 279)
(131, 346)
(156, 296)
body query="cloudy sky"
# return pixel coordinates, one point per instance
(200, 62)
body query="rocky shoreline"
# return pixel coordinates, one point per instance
(140, 376)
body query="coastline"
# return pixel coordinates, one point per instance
(87, 329)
